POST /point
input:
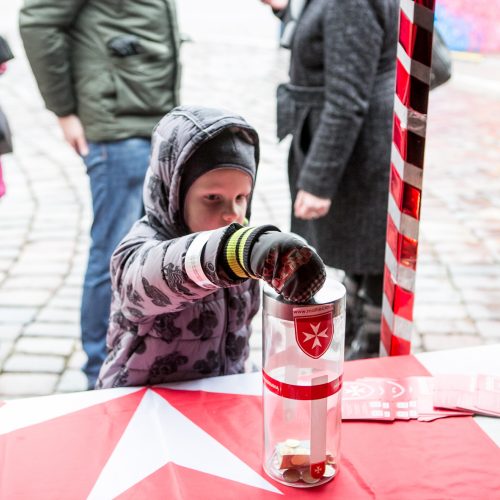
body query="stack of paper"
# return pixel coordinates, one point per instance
(477, 393)
(393, 399)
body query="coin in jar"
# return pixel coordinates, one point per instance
(307, 478)
(299, 459)
(291, 475)
(292, 443)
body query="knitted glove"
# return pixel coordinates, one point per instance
(283, 261)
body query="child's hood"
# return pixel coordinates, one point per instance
(175, 139)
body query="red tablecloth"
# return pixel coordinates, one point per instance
(191, 444)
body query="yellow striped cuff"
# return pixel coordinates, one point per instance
(241, 248)
(231, 253)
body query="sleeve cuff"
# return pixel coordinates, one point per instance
(239, 247)
(193, 261)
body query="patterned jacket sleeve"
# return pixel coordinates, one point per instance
(154, 277)
(353, 36)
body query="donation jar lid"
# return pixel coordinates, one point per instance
(332, 292)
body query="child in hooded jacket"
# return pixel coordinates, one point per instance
(185, 278)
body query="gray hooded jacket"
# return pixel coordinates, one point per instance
(166, 324)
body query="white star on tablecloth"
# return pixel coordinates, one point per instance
(148, 444)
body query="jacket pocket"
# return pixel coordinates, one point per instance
(144, 84)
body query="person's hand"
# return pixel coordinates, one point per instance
(74, 134)
(276, 4)
(289, 265)
(308, 206)
(283, 261)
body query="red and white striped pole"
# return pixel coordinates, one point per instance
(416, 22)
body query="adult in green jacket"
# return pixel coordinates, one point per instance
(110, 71)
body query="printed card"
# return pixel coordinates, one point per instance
(386, 399)
(476, 393)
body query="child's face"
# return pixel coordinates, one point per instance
(216, 199)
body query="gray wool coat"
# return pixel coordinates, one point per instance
(164, 326)
(338, 106)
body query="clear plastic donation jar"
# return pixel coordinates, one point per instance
(303, 357)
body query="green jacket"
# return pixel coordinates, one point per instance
(66, 42)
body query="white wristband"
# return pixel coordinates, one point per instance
(193, 261)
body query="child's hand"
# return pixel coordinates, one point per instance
(285, 262)
(289, 265)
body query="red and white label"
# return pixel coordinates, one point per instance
(317, 470)
(302, 392)
(314, 329)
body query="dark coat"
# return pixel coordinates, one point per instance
(165, 326)
(338, 106)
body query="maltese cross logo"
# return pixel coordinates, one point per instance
(317, 470)
(314, 334)
(357, 390)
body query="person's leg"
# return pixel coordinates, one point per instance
(366, 341)
(352, 283)
(372, 287)
(116, 171)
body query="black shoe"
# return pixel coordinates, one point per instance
(353, 308)
(366, 342)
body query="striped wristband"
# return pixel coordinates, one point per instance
(238, 249)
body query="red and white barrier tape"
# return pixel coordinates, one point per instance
(413, 65)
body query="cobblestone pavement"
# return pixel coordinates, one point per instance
(234, 62)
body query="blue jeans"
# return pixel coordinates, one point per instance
(116, 170)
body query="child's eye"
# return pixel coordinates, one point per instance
(212, 197)
(242, 197)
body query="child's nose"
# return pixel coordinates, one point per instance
(230, 213)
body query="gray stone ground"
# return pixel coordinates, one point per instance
(232, 60)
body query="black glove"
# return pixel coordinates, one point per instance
(283, 261)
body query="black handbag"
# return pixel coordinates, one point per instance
(5, 52)
(5, 135)
(441, 61)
